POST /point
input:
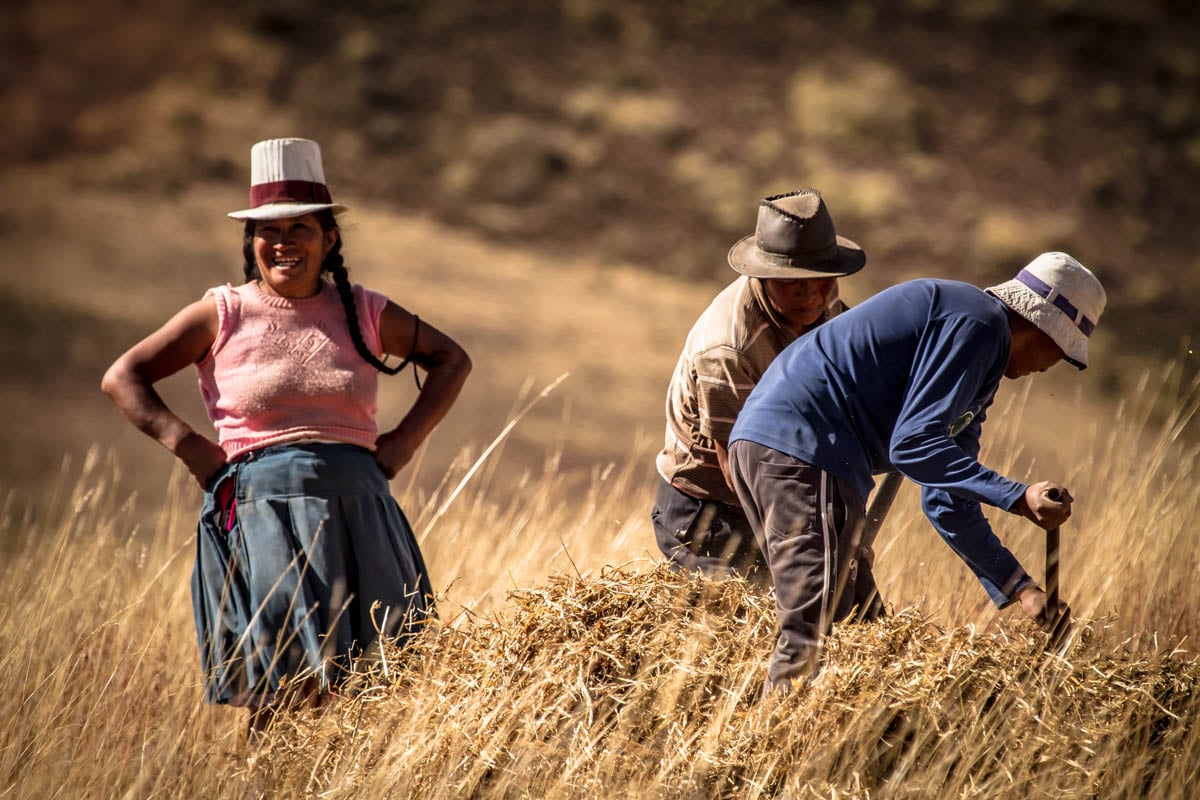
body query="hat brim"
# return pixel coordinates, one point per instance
(745, 257)
(1048, 318)
(285, 210)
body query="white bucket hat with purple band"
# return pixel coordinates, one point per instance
(286, 180)
(1061, 297)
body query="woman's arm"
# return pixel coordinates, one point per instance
(447, 366)
(182, 341)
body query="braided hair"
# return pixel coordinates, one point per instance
(334, 264)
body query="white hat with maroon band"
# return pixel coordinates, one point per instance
(286, 180)
(1060, 296)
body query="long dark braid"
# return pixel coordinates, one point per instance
(341, 280)
(335, 265)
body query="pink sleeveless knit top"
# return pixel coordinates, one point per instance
(283, 370)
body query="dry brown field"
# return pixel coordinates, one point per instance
(556, 185)
(568, 664)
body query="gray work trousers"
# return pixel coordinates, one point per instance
(706, 536)
(809, 525)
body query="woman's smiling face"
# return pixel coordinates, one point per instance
(290, 252)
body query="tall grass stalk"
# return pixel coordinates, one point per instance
(567, 664)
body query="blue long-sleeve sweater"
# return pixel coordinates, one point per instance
(902, 381)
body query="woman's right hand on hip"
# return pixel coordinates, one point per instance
(202, 457)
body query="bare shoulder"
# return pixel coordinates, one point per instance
(189, 332)
(200, 316)
(395, 320)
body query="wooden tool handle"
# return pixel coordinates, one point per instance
(1052, 571)
(880, 505)
(1052, 561)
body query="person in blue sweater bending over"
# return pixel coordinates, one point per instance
(900, 382)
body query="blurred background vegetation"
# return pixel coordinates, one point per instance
(951, 138)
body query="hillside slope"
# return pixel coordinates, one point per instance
(527, 319)
(559, 182)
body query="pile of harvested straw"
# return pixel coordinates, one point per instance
(649, 684)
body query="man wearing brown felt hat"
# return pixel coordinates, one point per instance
(788, 286)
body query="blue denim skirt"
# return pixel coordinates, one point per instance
(303, 560)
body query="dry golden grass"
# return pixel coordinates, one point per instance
(569, 665)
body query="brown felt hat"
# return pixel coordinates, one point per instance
(795, 238)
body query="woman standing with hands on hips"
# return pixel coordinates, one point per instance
(303, 557)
